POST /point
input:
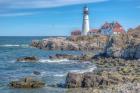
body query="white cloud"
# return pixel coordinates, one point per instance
(43, 3)
(18, 14)
(9, 7)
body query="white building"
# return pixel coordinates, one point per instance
(85, 26)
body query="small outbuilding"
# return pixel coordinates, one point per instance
(76, 33)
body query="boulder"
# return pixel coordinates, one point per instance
(85, 57)
(36, 73)
(89, 80)
(92, 79)
(27, 59)
(62, 56)
(74, 80)
(27, 82)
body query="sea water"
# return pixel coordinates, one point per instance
(52, 71)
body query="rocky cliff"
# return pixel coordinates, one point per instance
(85, 43)
(124, 45)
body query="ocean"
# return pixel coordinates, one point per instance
(52, 72)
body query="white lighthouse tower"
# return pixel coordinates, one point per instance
(85, 27)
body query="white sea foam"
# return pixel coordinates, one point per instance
(47, 61)
(89, 69)
(12, 61)
(44, 73)
(14, 45)
(59, 75)
(53, 61)
(8, 45)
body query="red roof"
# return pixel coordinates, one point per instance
(94, 30)
(118, 28)
(76, 32)
(115, 26)
(121, 30)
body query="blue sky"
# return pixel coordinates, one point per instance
(60, 17)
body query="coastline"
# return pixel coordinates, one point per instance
(125, 69)
(117, 63)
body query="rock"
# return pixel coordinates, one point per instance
(86, 43)
(36, 73)
(121, 88)
(132, 52)
(62, 56)
(74, 80)
(125, 46)
(85, 57)
(110, 71)
(27, 59)
(103, 80)
(27, 83)
(90, 79)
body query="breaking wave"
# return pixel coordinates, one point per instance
(89, 69)
(14, 45)
(53, 61)
(60, 75)
(44, 73)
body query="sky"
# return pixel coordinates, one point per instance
(60, 17)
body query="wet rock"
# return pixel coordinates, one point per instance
(27, 59)
(74, 80)
(84, 57)
(27, 83)
(121, 88)
(63, 56)
(36, 73)
(91, 79)
(103, 79)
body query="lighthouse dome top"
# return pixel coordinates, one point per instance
(85, 8)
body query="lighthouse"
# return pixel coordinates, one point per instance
(85, 26)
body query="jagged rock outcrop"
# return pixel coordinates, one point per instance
(124, 45)
(27, 59)
(27, 82)
(85, 43)
(90, 79)
(121, 88)
(110, 71)
(133, 48)
(84, 57)
(115, 45)
(132, 52)
(74, 80)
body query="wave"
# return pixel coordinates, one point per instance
(59, 75)
(63, 61)
(90, 69)
(44, 73)
(53, 61)
(14, 45)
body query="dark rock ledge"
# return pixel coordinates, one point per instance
(27, 59)
(27, 82)
(110, 72)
